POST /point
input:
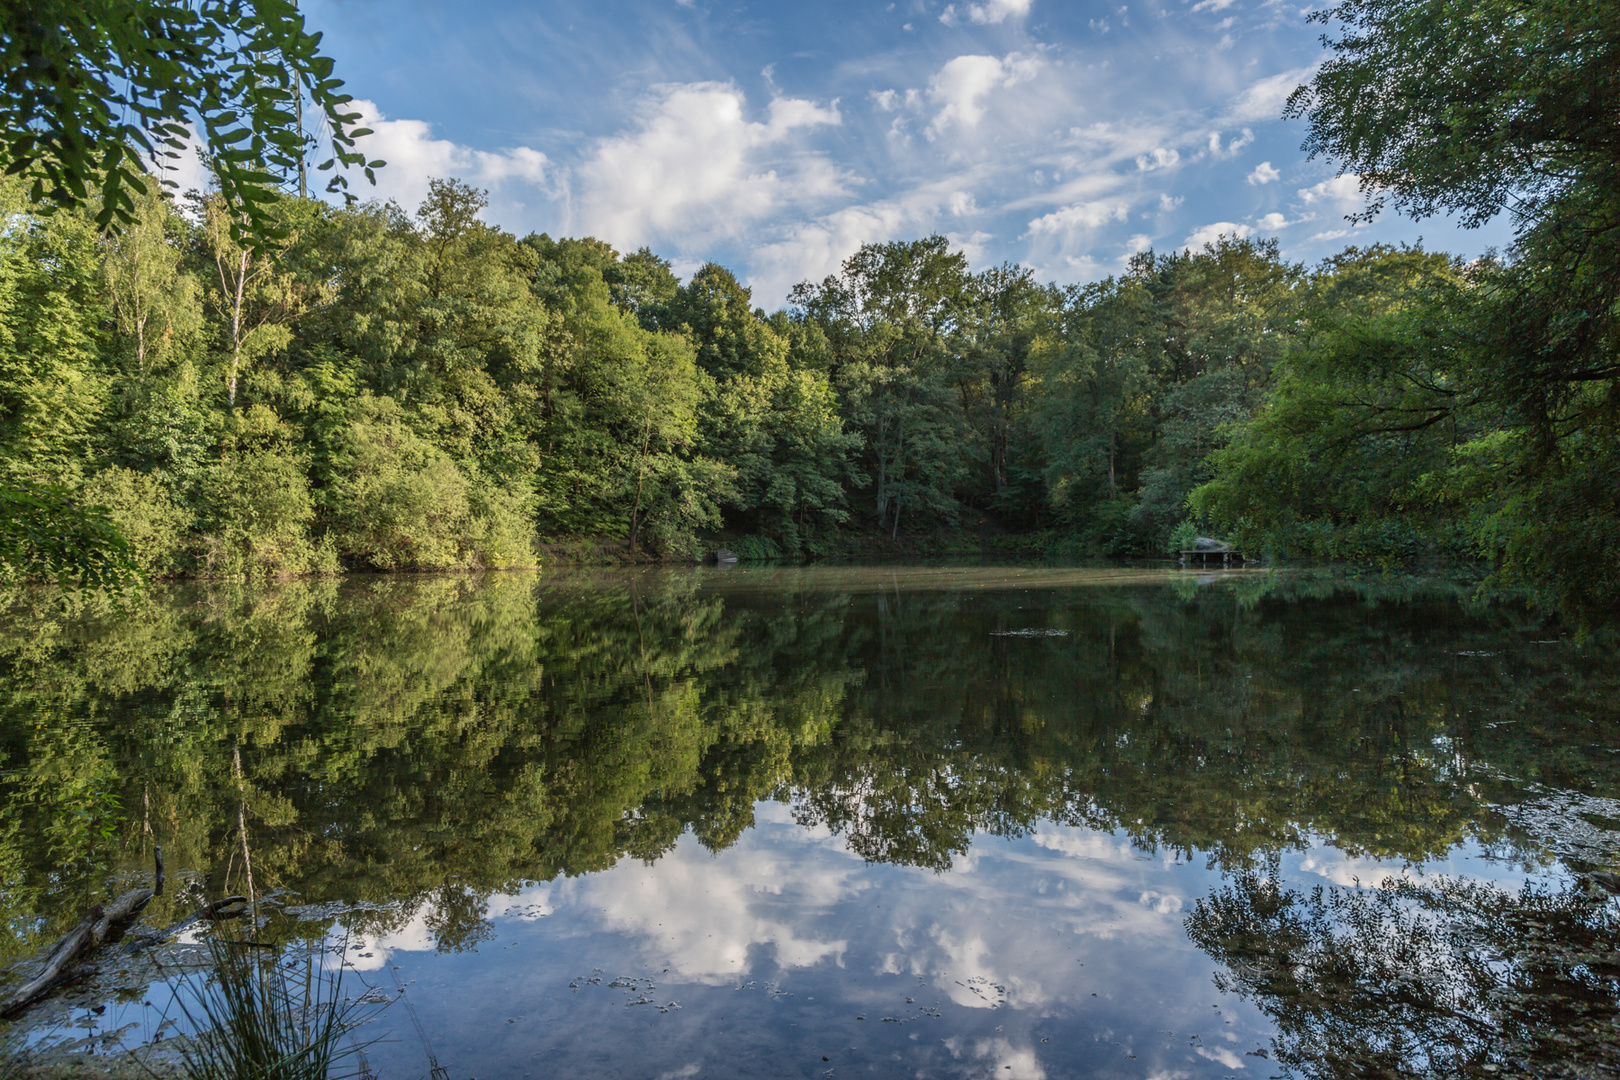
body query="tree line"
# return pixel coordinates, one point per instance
(426, 391)
(294, 387)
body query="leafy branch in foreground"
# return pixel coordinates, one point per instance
(93, 90)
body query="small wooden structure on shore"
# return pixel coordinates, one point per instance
(1212, 558)
(1210, 552)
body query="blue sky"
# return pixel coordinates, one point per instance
(776, 138)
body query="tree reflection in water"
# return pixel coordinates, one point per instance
(425, 744)
(1417, 978)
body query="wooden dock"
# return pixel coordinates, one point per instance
(1223, 559)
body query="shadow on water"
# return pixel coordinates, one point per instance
(382, 753)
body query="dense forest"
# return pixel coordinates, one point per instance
(398, 391)
(426, 391)
(391, 389)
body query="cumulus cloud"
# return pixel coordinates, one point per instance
(892, 100)
(1342, 193)
(695, 165)
(1348, 870)
(701, 921)
(1273, 222)
(369, 952)
(414, 157)
(998, 1057)
(1232, 147)
(1208, 234)
(960, 87)
(1159, 158)
(1264, 173)
(813, 248)
(988, 13)
(1264, 100)
(1086, 215)
(1221, 1055)
(186, 171)
(1213, 5)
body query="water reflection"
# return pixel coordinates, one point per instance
(1049, 807)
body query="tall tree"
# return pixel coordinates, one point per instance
(252, 295)
(1473, 109)
(887, 317)
(154, 302)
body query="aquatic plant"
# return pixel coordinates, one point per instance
(267, 1017)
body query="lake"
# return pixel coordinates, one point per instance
(920, 821)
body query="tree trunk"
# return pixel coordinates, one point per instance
(882, 477)
(641, 475)
(238, 291)
(98, 926)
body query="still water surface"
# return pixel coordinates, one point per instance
(827, 822)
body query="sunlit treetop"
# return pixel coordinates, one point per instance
(94, 93)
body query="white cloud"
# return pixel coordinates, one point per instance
(1233, 147)
(1163, 903)
(987, 13)
(1159, 158)
(1220, 1054)
(1264, 99)
(1264, 173)
(1168, 203)
(414, 157)
(1213, 5)
(1086, 215)
(1342, 193)
(1000, 1057)
(975, 245)
(961, 85)
(1331, 234)
(892, 100)
(1208, 234)
(1273, 222)
(369, 952)
(1348, 870)
(701, 921)
(1138, 243)
(186, 172)
(813, 248)
(695, 166)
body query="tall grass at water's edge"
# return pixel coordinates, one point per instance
(269, 1017)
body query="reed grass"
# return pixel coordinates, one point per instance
(267, 1017)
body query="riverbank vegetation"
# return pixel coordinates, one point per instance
(394, 389)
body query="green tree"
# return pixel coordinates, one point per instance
(887, 317)
(1473, 109)
(1008, 320)
(1348, 457)
(153, 300)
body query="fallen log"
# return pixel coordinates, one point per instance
(206, 913)
(99, 926)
